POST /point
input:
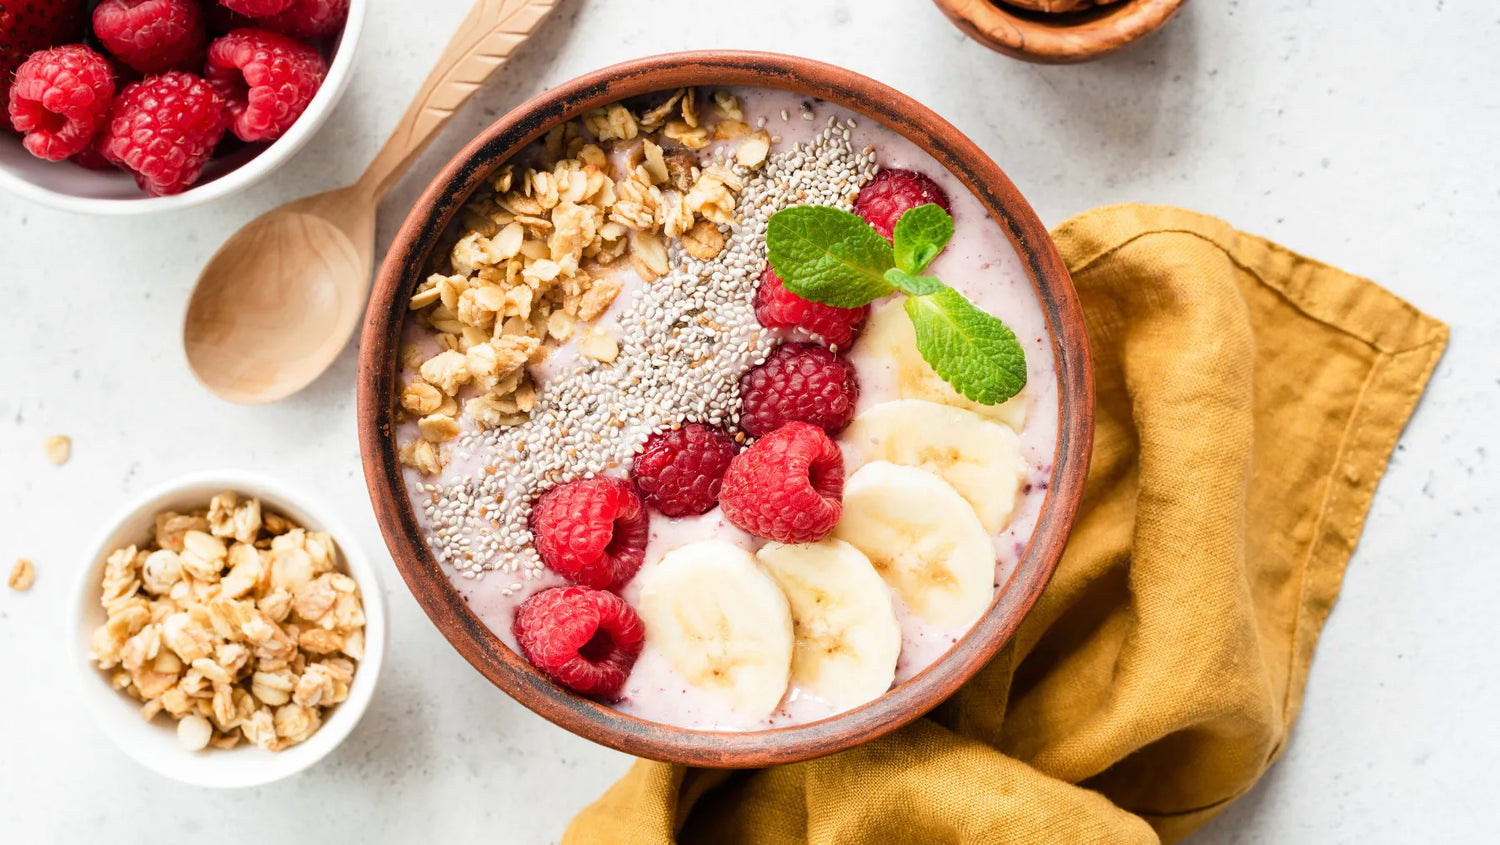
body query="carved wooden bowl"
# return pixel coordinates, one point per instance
(1058, 37)
(378, 365)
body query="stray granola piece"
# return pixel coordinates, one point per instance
(704, 241)
(22, 575)
(753, 150)
(58, 448)
(599, 344)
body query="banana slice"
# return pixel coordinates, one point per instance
(721, 622)
(889, 337)
(847, 635)
(923, 539)
(981, 459)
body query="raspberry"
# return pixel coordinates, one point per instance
(60, 99)
(27, 26)
(309, 18)
(787, 487)
(257, 8)
(800, 382)
(892, 193)
(679, 472)
(584, 639)
(778, 308)
(266, 79)
(164, 129)
(592, 531)
(151, 36)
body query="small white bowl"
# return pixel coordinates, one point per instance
(154, 744)
(114, 192)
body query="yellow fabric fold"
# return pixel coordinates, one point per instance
(1248, 400)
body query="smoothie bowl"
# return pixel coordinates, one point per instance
(725, 408)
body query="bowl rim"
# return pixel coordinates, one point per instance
(102, 701)
(340, 70)
(377, 379)
(1061, 42)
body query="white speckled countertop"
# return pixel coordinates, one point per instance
(1367, 140)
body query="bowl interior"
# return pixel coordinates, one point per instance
(70, 187)
(404, 266)
(154, 743)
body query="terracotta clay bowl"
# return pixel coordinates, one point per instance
(378, 364)
(1058, 38)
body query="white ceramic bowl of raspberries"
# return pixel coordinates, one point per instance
(125, 107)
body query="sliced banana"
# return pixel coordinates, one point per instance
(889, 336)
(981, 459)
(847, 636)
(721, 622)
(923, 539)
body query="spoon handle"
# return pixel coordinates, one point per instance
(486, 38)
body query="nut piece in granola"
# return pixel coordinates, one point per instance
(224, 615)
(22, 575)
(58, 448)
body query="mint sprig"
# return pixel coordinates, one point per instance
(840, 260)
(834, 257)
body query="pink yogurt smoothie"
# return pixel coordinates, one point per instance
(980, 262)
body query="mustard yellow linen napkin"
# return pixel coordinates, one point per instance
(1248, 399)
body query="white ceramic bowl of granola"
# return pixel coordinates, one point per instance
(114, 192)
(154, 744)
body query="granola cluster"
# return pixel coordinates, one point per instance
(233, 621)
(544, 248)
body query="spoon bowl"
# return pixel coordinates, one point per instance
(277, 302)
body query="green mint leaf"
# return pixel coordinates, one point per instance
(912, 285)
(921, 234)
(971, 350)
(828, 255)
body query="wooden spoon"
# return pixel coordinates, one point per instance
(278, 301)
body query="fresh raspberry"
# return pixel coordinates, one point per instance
(309, 18)
(592, 531)
(266, 79)
(27, 26)
(679, 472)
(60, 100)
(164, 129)
(584, 639)
(788, 486)
(802, 382)
(892, 193)
(257, 8)
(152, 36)
(778, 308)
